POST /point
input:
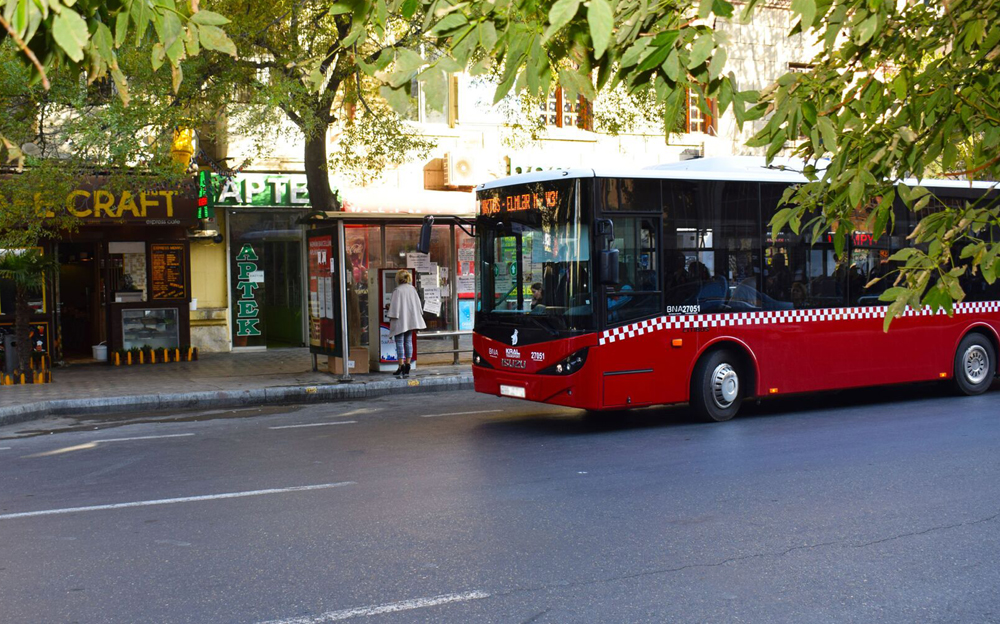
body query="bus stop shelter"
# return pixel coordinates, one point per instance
(353, 257)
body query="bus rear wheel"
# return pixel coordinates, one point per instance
(975, 365)
(717, 387)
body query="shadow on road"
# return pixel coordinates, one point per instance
(586, 423)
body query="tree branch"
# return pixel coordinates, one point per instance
(27, 51)
(955, 174)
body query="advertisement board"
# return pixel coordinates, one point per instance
(324, 292)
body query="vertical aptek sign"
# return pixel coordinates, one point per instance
(247, 283)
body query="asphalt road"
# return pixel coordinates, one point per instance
(854, 507)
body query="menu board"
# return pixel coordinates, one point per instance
(168, 271)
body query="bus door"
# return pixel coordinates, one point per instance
(633, 374)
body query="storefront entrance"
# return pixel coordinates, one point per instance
(266, 278)
(82, 311)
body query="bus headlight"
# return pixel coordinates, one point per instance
(567, 366)
(479, 360)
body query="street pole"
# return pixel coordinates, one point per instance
(342, 278)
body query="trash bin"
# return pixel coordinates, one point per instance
(100, 352)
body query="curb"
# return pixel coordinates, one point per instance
(255, 397)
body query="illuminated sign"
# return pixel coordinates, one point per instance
(490, 206)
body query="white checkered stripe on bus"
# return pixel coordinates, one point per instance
(702, 321)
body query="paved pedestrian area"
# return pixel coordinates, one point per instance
(212, 372)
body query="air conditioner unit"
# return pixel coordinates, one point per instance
(460, 170)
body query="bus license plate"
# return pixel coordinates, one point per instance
(512, 391)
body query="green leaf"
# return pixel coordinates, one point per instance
(397, 98)
(121, 28)
(175, 52)
(828, 132)
(208, 18)
(157, 56)
(487, 35)
(700, 50)
(722, 8)
(409, 8)
(449, 23)
(807, 9)
(120, 82)
(140, 17)
(559, 15)
(212, 38)
(809, 113)
(672, 66)
(435, 87)
(718, 64)
(855, 191)
(600, 18)
(105, 42)
(704, 9)
(866, 29)
(191, 40)
(634, 53)
(70, 32)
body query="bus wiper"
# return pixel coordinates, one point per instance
(547, 328)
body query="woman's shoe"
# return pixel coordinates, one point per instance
(406, 369)
(399, 371)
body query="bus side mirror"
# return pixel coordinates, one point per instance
(609, 267)
(424, 244)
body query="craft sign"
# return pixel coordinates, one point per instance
(247, 321)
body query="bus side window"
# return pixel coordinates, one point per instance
(687, 247)
(637, 294)
(797, 273)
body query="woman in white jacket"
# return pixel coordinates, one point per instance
(406, 316)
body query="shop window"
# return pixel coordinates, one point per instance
(562, 111)
(128, 271)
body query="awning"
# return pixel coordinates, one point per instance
(405, 201)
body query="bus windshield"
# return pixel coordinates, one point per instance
(535, 257)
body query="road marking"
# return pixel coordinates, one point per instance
(460, 413)
(90, 445)
(152, 437)
(392, 607)
(170, 501)
(339, 422)
(4, 448)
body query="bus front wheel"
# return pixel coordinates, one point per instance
(975, 365)
(717, 388)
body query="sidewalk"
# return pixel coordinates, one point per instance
(217, 380)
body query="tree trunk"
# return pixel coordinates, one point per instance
(22, 329)
(317, 173)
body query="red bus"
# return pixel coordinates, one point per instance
(611, 290)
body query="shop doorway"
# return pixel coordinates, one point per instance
(82, 313)
(266, 268)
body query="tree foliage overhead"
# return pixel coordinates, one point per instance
(86, 36)
(898, 89)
